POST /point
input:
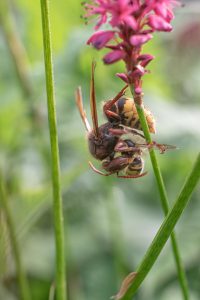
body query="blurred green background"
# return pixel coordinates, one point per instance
(109, 222)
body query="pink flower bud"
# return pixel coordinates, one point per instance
(145, 59)
(158, 23)
(139, 39)
(161, 10)
(123, 77)
(170, 16)
(164, 12)
(113, 56)
(100, 38)
(131, 22)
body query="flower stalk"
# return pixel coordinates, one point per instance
(21, 277)
(164, 202)
(165, 230)
(57, 198)
(18, 56)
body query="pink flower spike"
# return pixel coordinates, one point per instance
(100, 38)
(139, 39)
(113, 56)
(123, 77)
(158, 23)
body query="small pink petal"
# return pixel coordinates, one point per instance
(131, 22)
(123, 77)
(170, 16)
(164, 12)
(161, 10)
(102, 20)
(100, 38)
(113, 56)
(139, 39)
(145, 59)
(158, 23)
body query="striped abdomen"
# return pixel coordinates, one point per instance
(135, 167)
(125, 108)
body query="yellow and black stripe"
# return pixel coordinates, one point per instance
(136, 166)
(126, 110)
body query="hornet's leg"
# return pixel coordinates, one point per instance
(125, 130)
(97, 171)
(161, 147)
(108, 105)
(111, 114)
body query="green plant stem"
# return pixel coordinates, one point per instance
(57, 198)
(165, 230)
(23, 283)
(15, 48)
(20, 62)
(164, 201)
